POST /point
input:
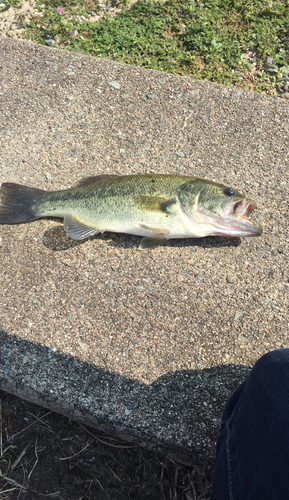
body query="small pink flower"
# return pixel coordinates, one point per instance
(60, 10)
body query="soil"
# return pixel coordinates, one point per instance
(45, 455)
(12, 18)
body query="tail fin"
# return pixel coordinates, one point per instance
(18, 203)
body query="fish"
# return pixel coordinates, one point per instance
(157, 207)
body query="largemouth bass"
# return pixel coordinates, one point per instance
(157, 207)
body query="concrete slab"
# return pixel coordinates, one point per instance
(147, 345)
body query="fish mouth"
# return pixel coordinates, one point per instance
(242, 208)
(237, 221)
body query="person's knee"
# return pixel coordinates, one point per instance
(274, 364)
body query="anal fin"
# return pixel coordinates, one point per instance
(77, 229)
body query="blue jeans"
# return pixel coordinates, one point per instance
(253, 447)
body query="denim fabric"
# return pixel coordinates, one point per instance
(253, 447)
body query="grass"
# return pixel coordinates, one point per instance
(224, 41)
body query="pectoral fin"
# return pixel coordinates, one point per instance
(154, 203)
(77, 229)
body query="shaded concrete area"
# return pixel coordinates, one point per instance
(149, 343)
(178, 414)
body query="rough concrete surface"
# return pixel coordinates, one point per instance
(146, 344)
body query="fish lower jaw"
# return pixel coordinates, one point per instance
(239, 232)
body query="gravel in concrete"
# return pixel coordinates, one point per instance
(148, 343)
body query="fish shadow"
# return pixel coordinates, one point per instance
(56, 239)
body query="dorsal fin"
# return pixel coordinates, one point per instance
(94, 179)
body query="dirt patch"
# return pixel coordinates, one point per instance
(45, 455)
(12, 18)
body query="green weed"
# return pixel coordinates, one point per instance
(224, 41)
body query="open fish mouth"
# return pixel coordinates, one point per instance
(237, 219)
(243, 208)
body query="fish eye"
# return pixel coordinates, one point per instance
(229, 191)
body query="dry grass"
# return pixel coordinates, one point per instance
(45, 455)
